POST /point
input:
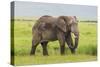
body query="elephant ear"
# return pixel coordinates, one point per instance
(61, 24)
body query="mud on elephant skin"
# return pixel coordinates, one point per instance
(48, 28)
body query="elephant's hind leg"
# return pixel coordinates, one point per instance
(34, 45)
(44, 46)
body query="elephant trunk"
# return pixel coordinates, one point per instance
(75, 31)
(76, 40)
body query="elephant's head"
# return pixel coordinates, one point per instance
(70, 23)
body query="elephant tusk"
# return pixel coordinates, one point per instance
(76, 37)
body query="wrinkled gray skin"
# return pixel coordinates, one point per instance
(49, 28)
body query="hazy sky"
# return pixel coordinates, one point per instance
(29, 9)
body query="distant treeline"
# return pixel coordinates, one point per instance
(22, 19)
(88, 21)
(34, 20)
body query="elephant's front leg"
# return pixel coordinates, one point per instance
(44, 46)
(61, 39)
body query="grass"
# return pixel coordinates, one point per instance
(29, 60)
(87, 49)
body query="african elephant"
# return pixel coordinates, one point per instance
(48, 28)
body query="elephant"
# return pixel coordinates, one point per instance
(48, 28)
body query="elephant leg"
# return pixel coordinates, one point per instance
(44, 46)
(34, 45)
(62, 49)
(61, 39)
(69, 41)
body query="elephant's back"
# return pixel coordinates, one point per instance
(47, 19)
(44, 19)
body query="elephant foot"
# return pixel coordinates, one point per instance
(45, 55)
(32, 53)
(62, 54)
(73, 51)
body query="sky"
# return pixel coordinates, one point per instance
(31, 9)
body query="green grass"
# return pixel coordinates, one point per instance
(26, 60)
(87, 49)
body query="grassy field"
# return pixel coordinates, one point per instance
(87, 49)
